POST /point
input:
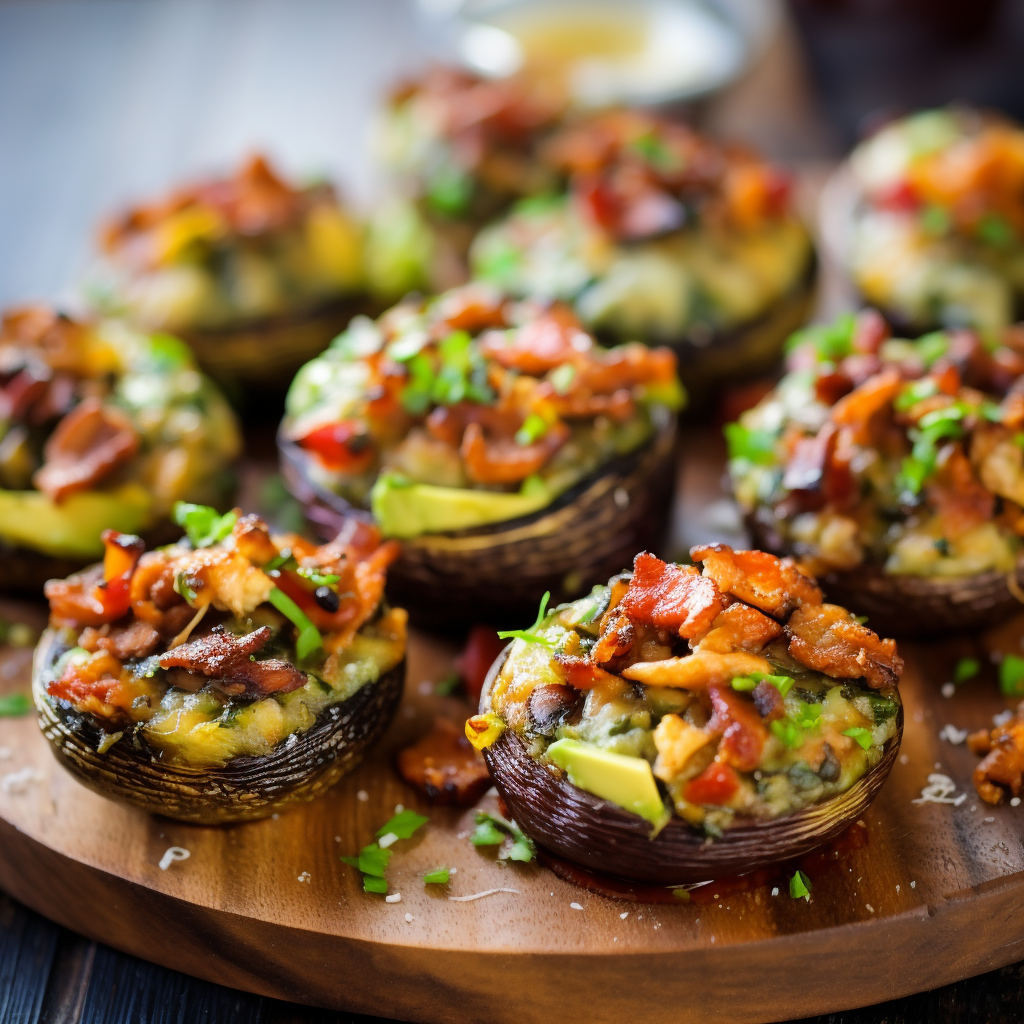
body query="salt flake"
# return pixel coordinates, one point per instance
(951, 734)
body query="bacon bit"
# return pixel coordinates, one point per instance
(138, 639)
(830, 387)
(959, 498)
(740, 628)
(56, 337)
(473, 308)
(671, 597)
(96, 686)
(448, 422)
(743, 732)
(444, 766)
(153, 597)
(827, 638)
(775, 585)
(88, 444)
(968, 355)
(483, 645)
(582, 673)
(224, 658)
(818, 470)
(504, 461)
(859, 407)
(1002, 767)
(697, 671)
(715, 786)
(251, 538)
(553, 338)
(617, 635)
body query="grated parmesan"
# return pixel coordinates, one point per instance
(951, 734)
(940, 790)
(172, 854)
(480, 895)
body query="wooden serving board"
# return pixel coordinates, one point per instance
(935, 894)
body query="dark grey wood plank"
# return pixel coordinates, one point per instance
(27, 945)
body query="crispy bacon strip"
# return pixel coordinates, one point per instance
(697, 671)
(962, 503)
(224, 658)
(582, 673)
(673, 597)
(503, 461)
(740, 628)
(1002, 767)
(617, 636)
(137, 639)
(89, 444)
(857, 409)
(553, 338)
(827, 638)
(444, 767)
(743, 732)
(775, 585)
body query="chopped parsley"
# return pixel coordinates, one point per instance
(309, 638)
(562, 377)
(756, 446)
(966, 668)
(782, 683)
(403, 824)
(456, 373)
(533, 429)
(1011, 676)
(860, 736)
(809, 716)
(787, 732)
(831, 342)
(203, 525)
(800, 886)
(530, 635)
(14, 705)
(914, 392)
(492, 830)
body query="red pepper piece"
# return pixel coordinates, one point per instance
(482, 646)
(717, 784)
(121, 554)
(343, 447)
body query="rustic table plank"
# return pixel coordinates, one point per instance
(27, 946)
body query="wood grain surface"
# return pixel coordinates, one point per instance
(936, 894)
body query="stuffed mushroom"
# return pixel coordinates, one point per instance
(928, 217)
(681, 723)
(221, 677)
(102, 427)
(256, 274)
(461, 149)
(508, 451)
(894, 471)
(665, 236)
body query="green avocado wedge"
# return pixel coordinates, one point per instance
(72, 529)
(404, 509)
(618, 778)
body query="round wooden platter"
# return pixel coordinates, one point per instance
(936, 893)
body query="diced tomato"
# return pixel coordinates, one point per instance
(717, 784)
(483, 645)
(344, 447)
(900, 196)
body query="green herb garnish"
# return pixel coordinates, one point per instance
(14, 705)
(403, 824)
(533, 429)
(309, 638)
(1011, 676)
(492, 830)
(995, 230)
(786, 731)
(832, 342)
(203, 525)
(439, 876)
(744, 683)
(530, 635)
(935, 220)
(859, 735)
(966, 668)
(562, 378)
(800, 886)
(916, 391)
(318, 579)
(808, 716)
(756, 446)
(447, 686)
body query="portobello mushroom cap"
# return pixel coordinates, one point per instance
(300, 768)
(266, 353)
(603, 837)
(911, 606)
(494, 572)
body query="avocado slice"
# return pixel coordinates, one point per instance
(618, 778)
(72, 529)
(405, 509)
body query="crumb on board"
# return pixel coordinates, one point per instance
(362, 796)
(394, 897)
(173, 854)
(940, 790)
